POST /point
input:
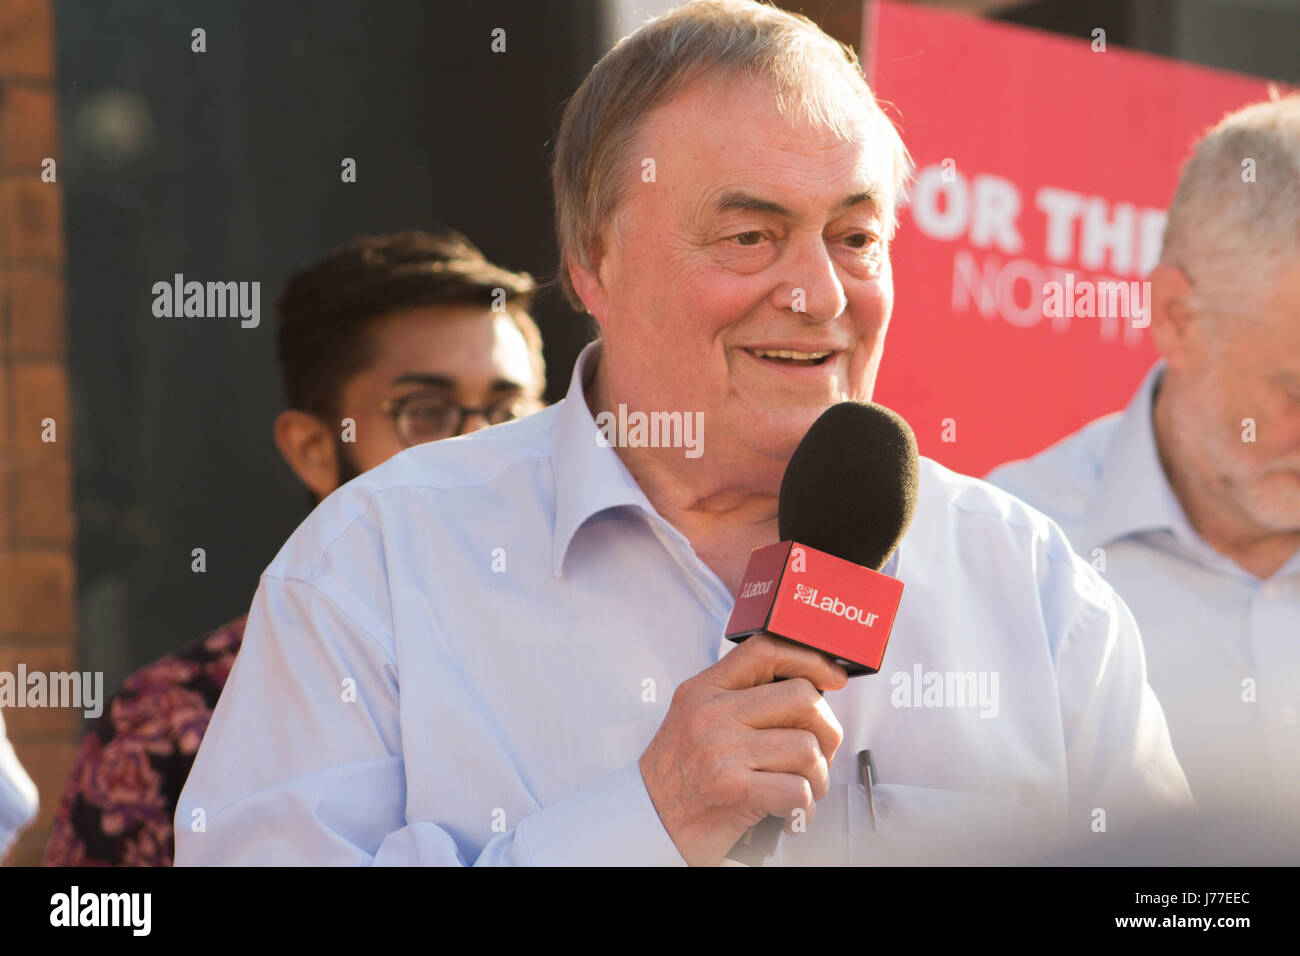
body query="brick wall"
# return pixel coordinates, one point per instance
(37, 583)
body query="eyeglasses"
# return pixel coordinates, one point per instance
(422, 417)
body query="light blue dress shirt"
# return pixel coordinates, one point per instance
(1223, 647)
(18, 802)
(460, 656)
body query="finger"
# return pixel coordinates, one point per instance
(793, 703)
(782, 750)
(780, 794)
(763, 658)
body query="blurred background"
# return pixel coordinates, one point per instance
(225, 165)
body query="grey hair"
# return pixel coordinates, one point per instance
(813, 76)
(1226, 233)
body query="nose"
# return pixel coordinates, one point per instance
(812, 289)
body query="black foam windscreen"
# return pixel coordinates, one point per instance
(850, 486)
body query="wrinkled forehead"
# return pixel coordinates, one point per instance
(720, 138)
(720, 135)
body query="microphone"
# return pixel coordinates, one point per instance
(846, 500)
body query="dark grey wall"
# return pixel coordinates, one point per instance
(225, 165)
(1260, 37)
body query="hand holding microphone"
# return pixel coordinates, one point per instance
(739, 742)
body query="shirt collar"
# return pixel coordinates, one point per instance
(1133, 494)
(589, 475)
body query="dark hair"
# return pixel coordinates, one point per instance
(326, 309)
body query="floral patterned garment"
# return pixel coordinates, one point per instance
(118, 805)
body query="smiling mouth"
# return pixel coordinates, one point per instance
(790, 356)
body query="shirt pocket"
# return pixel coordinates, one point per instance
(933, 826)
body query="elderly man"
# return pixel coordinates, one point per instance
(508, 648)
(1192, 494)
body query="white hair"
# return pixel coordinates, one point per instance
(1234, 223)
(813, 76)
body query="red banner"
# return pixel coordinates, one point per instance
(1044, 166)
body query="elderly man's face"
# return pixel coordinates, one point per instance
(1249, 370)
(757, 238)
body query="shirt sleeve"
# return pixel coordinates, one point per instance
(303, 762)
(1122, 769)
(18, 801)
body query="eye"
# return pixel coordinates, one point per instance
(860, 240)
(751, 238)
(425, 409)
(508, 408)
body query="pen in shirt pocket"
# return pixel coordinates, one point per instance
(867, 770)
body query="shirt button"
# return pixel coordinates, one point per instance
(882, 810)
(1272, 591)
(1288, 716)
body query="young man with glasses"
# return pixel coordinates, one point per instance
(386, 343)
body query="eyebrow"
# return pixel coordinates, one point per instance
(443, 381)
(736, 199)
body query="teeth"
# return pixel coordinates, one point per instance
(789, 354)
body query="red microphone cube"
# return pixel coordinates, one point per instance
(815, 599)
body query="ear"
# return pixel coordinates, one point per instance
(1173, 324)
(591, 290)
(308, 446)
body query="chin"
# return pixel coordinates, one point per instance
(1275, 504)
(779, 436)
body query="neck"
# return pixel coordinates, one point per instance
(724, 516)
(1218, 522)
